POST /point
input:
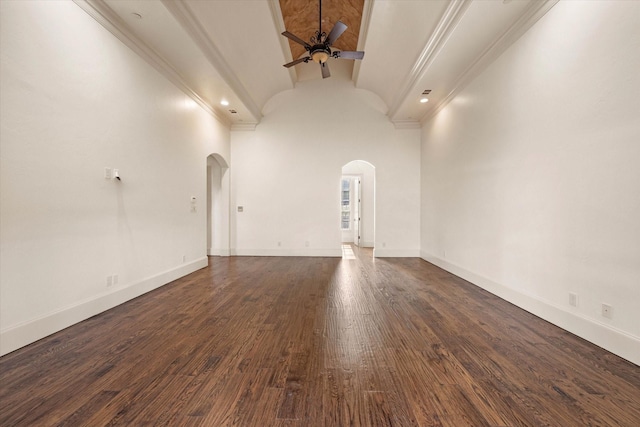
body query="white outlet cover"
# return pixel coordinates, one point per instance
(607, 311)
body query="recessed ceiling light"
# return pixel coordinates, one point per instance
(224, 102)
(424, 100)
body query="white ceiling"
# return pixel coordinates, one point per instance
(233, 50)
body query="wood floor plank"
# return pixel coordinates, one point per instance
(268, 341)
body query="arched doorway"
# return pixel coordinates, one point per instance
(358, 194)
(217, 206)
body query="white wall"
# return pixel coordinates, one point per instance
(367, 175)
(74, 101)
(530, 177)
(286, 174)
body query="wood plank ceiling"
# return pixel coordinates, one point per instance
(301, 18)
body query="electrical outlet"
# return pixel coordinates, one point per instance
(384, 244)
(107, 173)
(306, 243)
(279, 243)
(607, 311)
(109, 281)
(573, 299)
(184, 258)
(115, 279)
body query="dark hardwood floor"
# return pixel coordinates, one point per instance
(255, 341)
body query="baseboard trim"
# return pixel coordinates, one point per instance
(308, 252)
(396, 253)
(612, 339)
(217, 252)
(23, 334)
(362, 244)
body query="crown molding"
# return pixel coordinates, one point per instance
(106, 17)
(439, 37)
(243, 126)
(186, 18)
(535, 11)
(406, 124)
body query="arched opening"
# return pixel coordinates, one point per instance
(358, 205)
(217, 206)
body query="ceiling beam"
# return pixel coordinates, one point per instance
(362, 37)
(278, 22)
(438, 39)
(185, 17)
(535, 11)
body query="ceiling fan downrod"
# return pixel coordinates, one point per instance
(319, 21)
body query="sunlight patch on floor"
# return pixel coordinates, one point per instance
(347, 252)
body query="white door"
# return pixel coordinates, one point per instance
(356, 211)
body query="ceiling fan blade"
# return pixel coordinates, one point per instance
(325, 70)
(336, 32)
(350, 54)
(297, 61)
(297, 39)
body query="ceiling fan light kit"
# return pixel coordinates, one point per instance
(319, 48)
(320, 56)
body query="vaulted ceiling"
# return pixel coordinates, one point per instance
(233, 50)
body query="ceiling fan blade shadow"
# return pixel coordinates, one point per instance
(296, 39)
(297, 61)
(336, 32)
(350, 54)
(325, 70)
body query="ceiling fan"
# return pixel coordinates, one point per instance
(319, 46)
